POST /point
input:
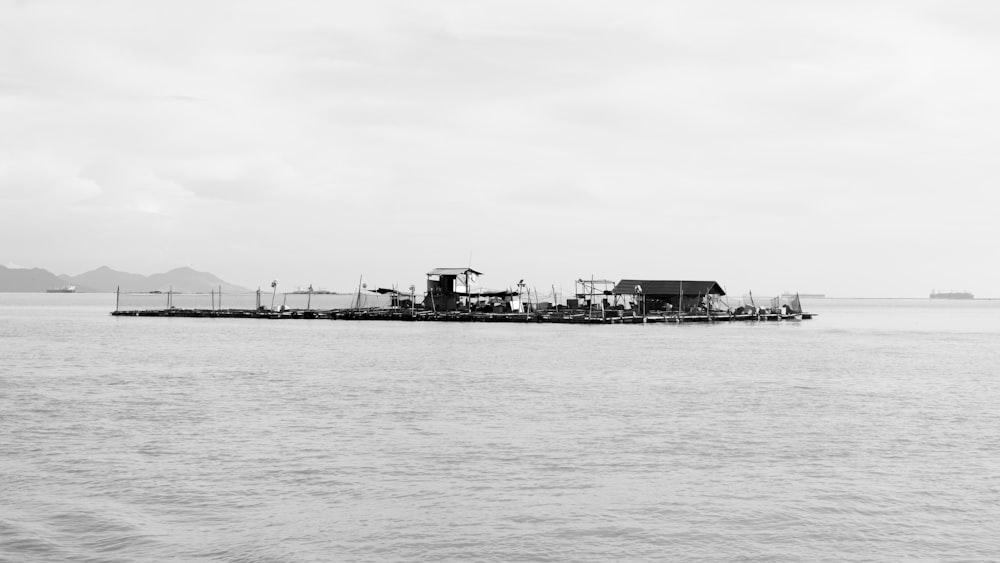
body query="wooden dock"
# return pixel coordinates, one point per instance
(568, 316)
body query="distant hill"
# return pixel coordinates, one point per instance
(189, 280)
(104, 279)
(35, 279)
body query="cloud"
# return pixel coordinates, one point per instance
(34, 176)
(836, 126)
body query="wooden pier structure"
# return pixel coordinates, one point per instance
(451, 297)
(568, 316)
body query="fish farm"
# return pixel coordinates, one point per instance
(454, 295)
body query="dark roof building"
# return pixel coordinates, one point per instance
(668, 288)
(670, 294)
(453, 272)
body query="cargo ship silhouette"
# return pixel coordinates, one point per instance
(951, 295)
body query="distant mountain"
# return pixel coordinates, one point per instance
(104, 279)
(189, 280)
(35, 279)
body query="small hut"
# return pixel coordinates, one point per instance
(449, 289)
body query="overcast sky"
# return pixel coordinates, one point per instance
(846, 148)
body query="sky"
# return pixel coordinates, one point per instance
(846, 148)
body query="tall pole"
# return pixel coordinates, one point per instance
(591, 295)
(220, 297)
(310, 298)
(117, 296)
(274, 291)
(358, 303)
(642, 302)
(213, 298)
(680, 303)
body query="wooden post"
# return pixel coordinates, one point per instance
(680, 303)
(117, 296)
(591, 295)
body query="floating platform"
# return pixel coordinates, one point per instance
(568, 316)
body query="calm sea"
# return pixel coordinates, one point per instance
(870, 433)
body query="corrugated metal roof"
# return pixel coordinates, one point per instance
(384, 290)
(668, 287)
(492, 293)
(452, 272)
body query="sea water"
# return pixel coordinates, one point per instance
(869, 433)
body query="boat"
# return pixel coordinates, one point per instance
(951, 295)
(64, 289)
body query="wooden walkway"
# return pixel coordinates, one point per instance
(556, 317)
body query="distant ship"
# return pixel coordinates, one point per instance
(65, 289)
(951, 295)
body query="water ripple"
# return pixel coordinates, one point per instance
(194, 440)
